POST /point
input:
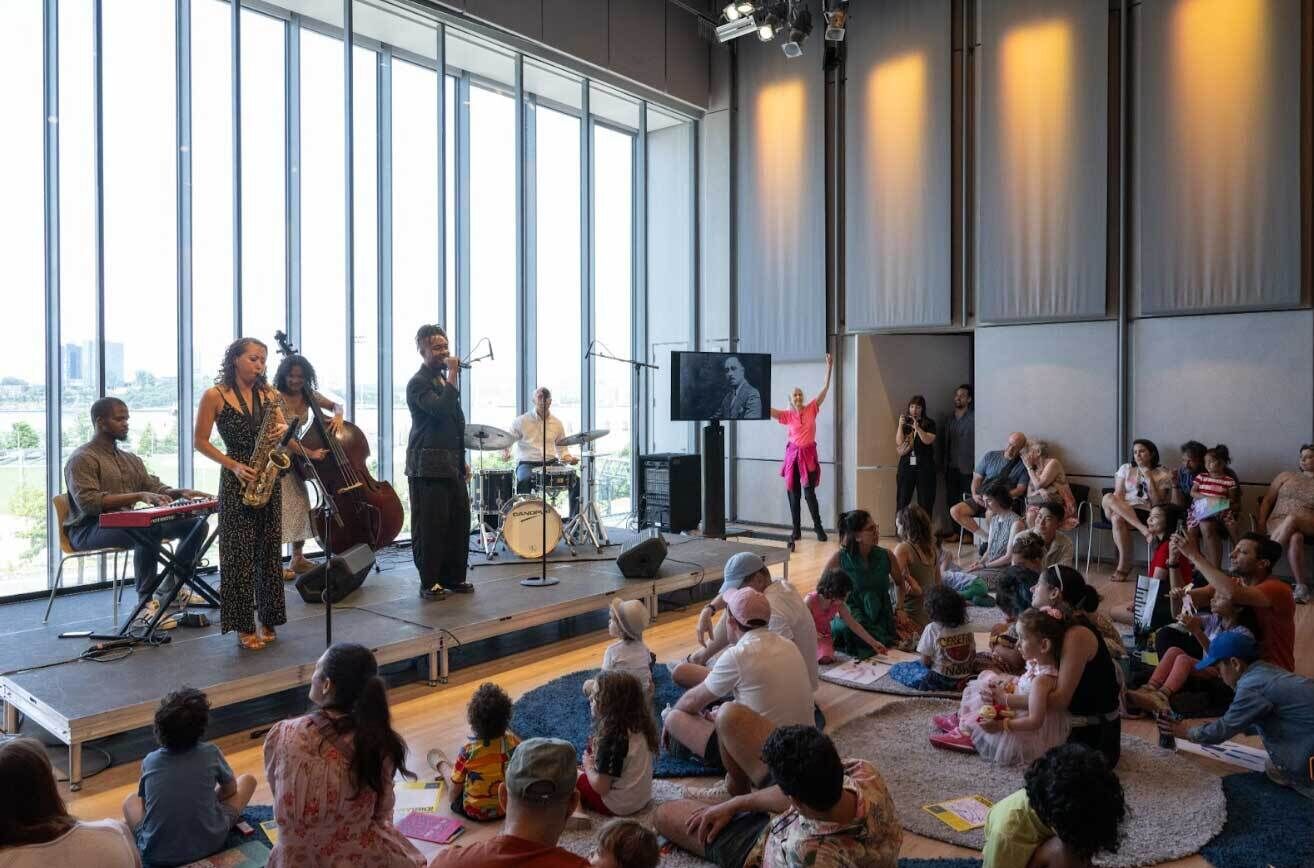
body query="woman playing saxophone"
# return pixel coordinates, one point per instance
(246, 411)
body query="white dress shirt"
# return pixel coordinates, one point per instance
(528, 430)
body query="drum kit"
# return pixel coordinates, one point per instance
(528, 525)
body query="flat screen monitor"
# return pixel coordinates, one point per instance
(721, 386)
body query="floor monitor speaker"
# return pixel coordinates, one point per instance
(642, 558)
(349, 571)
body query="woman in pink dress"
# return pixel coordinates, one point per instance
(331, 771)
(801, 469)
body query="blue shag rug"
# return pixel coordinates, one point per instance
(254, 815)
(1263, 818)
(939, 863)
(559, 709)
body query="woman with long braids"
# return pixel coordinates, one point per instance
(294, 374)
(249, 537)
(331, 771)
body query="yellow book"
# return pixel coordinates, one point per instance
(962, 814)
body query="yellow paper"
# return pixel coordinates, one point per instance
(962, 814)
(270, 828)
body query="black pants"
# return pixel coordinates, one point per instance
(957, 485)
(1169, 638)
(1105, 737)
(796, 494)
(145, 563)
(920, 479)
(440, 530)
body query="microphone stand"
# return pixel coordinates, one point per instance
(635, 367)
(542, 580)
(330, 514)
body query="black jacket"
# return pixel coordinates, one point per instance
(436, 447)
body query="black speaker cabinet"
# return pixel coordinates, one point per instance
(670, 487)
(349, 571)
(642, 558)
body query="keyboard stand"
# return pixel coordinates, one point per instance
(186, 573)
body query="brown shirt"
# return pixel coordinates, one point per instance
(95, 470)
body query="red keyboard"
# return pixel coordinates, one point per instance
(148, 515)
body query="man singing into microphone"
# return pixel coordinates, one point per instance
(437, 471)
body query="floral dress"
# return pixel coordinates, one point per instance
(1007, 748)
(322, 821)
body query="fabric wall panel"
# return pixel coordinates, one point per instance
(1042, 160)
(1243, 379)
(780, 233)
(1217, 154)
(1055, 383)
(897, 166)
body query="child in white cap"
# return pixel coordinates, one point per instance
(628, 653)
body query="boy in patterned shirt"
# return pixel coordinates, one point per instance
(481, 764)
(828, 813)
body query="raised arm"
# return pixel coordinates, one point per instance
(1242, 594)
(825, 387)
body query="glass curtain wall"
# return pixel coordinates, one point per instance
(172, 186)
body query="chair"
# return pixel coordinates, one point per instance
(1105, 523)
(68, 553)
(958, 555)
(1081, 494)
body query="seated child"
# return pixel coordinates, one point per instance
(989, 721)
(617, 776)
(827, 602)
(1013, 598)
(626, 844)
(1210, 488)
(481, 764)
(627, 653)
(188, 799)
(1069, 811)
(994, 554)
(1176, 666)
(947, 646)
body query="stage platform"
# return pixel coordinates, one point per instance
(77, 700)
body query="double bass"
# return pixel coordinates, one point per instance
(365, 511)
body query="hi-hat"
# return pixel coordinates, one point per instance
(486, 438)
(584, 437)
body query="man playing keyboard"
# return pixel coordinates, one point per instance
(530, 448)
(101, 477)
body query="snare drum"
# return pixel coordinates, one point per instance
(496, 491)
(523, 521)
(553, 477)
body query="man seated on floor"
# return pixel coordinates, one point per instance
(538, 796)
(1277, 703)
(768, 680)
(101, 477)
(1254, 585)
(832, 813)
(1058, 547)
(790, 619)
(997, 467)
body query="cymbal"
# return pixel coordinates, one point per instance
(584, 437)
(485, 438)
(595, 454)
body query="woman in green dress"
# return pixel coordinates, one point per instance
(869, 568)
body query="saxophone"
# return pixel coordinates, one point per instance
(268, 460)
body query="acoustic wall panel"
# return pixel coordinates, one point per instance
(1056, 383)
(1217, 154)
(577, 27)
(638, 40)
(897, 164)
(687, 57)
(1042, 160)
(781, 244)
(1243, 379)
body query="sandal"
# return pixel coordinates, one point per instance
(289, 575)
(1119, 575)
(250, 641)
(266, 634)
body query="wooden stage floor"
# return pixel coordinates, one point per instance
(44, 677)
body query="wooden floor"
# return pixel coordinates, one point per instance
(429, 717)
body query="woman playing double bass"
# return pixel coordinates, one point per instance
(292, 378)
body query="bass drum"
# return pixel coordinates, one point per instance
(523, 521)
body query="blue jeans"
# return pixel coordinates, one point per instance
(145, 562)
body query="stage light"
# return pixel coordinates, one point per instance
(837, 21)
(732, 13)
(800, 25)
(735, 29)
(766, 31)
(745, 7)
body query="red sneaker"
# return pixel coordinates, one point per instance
(956, 740)
(946, 722)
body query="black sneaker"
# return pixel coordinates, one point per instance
(437, 592)
(463, 588)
